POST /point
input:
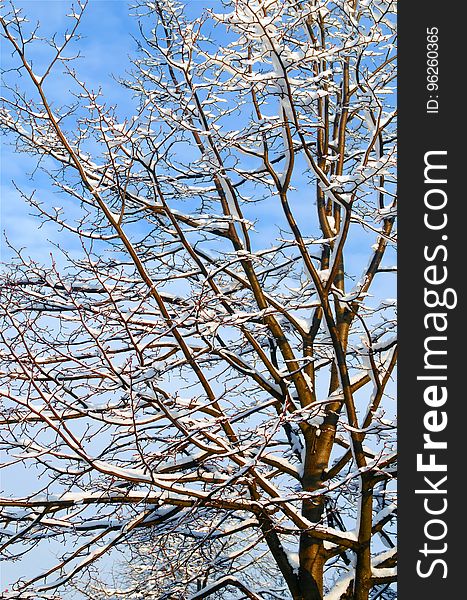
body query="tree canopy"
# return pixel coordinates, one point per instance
(201, 374)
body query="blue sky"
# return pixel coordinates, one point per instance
(106, 45)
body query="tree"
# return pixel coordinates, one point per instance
(208, 365)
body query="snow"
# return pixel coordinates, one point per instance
(385, 512)
(340, 586)
(283, 462)
(383, 556)
(332, 223)
(323, 274)
(303, 323)
(384, 344)
(294, 561)
(206, 591)
(299, 449)
(115, 217)
(308, 380)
